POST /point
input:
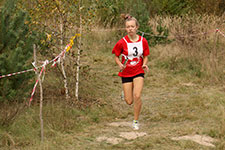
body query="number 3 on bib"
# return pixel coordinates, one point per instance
(135, 51)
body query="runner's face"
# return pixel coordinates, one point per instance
(131, 27)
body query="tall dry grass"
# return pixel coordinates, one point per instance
(67, 127)
(196, 40)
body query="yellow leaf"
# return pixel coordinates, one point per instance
(49, 37)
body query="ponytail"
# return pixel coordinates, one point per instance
(128, 17)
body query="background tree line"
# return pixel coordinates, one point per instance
(27, 22)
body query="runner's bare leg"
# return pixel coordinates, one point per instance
(128, 92)
(138, 86)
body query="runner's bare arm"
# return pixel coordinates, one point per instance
(117, 60)
(145, 61)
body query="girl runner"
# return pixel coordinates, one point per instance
(134, 50)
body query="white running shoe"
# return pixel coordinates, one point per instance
(135, 125)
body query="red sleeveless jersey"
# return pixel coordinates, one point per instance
(133, 52)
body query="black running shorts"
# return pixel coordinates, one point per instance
(130, 79)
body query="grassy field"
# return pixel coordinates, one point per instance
(177, 102)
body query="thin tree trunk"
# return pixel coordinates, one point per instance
(78, 56)
(63, 58)
(41, 95)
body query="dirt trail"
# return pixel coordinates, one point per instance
(124, 132)
(154, 123)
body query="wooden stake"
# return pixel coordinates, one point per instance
(41, 95)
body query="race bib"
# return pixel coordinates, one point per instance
(135, 50)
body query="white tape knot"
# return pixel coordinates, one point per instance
(34, 64)
(45, 63)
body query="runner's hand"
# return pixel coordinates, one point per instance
(122, 67)
(145, 67)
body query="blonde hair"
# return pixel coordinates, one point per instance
(128, 17)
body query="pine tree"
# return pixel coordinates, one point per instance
(16, 42)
